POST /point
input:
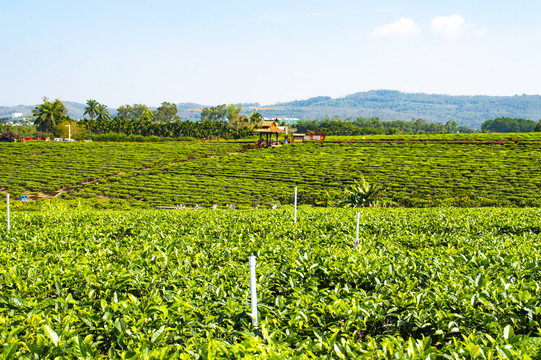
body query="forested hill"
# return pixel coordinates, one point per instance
(385, 104)
(395, 105)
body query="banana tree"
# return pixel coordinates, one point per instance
(363, 194)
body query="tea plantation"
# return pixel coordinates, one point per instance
(458, 280)
(42, 167)
(418, 171)
(423, 284)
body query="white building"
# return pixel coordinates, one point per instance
(16, 115)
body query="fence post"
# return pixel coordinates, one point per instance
(8, 211)
(253, 291)
(357, 233)
(295, 204)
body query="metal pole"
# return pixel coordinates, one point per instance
(253, 290)
(69, 130)
(357, 234)
(295, 204)
(8, 211)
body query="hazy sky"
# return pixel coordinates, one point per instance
(214, 52)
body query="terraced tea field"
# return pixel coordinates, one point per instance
(451, 170)
(47, 166)
(423, 284)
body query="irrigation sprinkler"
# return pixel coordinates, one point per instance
(295, 204)
(8, 211)
(253, 291)
(357, 233)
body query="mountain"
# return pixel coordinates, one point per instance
(395, 105)
(385, 104)
(75, 110)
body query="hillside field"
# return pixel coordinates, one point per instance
(418, 171)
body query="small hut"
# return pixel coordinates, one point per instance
(269, 127)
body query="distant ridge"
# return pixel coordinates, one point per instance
(396, 105)
(385, 104)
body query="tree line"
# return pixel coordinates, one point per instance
(508, 125)
(373, 126)
(222, 121)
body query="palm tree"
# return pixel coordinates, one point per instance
(49, 114)
(90, 109)
(102, 113)
(363, 194)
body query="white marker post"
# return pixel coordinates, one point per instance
(253, 290)
(69, 129)
(357, 234)
(8, 211)
(295, 204)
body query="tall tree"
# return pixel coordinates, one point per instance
(91, 108)
(75, 128)
(49, 114)
(256, 119)
(141, 111)
(450, 126)
(214, 114)
(233, 115)
(505, 124)
(167, 112)
(124, 112)
(102, 113)
(135, 112)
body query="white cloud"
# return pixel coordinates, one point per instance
(403, 27)
(450, 27)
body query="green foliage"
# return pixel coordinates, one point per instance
(424, 283)
(363, 194)
(230, 114)
(372, 126)
(214, 113)
(508, 125)
(256, 119)
(233, 115)
(137, 112)
(43, 167)
(418, 171)
(102, 113)
(167, 112)
(537, 127)
(62, 130)
(91, 108)
(20, 131)
(114, 137)
(49, 114)
(178, 129)
(451, 126)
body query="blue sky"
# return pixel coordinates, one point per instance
(213, 52)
